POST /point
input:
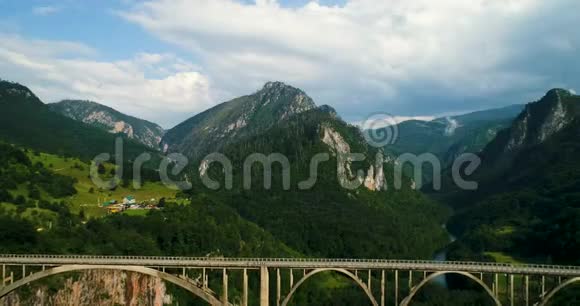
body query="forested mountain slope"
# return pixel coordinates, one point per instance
(528, 203)
(248, 115)
(448, 137)
(326, 219)
(110, 120)
(26, 121)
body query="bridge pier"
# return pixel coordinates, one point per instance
(245, 288)
(511, 289)
(278, 287)
(496, 284)
(527, 284)
(225, 287)
(264, 286)
(383, 286)
(396, 287)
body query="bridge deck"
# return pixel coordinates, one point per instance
(296, 263)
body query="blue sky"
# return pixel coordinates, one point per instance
(165, 60)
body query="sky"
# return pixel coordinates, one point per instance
(166, 60)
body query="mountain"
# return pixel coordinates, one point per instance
(26, 121)
(367, 217)
(112, 121)
(344, 206)
(249, 115)
(538, 122)
(512, 158)
(448, 137)
(527, 203)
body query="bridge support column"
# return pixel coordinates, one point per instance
(383, 287)
(507, 287)
(496, 285)
(369, 279)
(543, 286)
(245, 288)
(410, 280)
(291, 278)
(204, 278)
(264, 286)
(527, 284)
(396, 287)
(225, 287)
(278, 287)
(511, 289)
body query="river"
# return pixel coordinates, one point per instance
(442, 256)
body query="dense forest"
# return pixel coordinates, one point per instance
(27, 121)
(33, 220)
(528, 212)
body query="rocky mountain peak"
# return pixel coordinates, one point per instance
(110, 120)
(557, 93)
(292, 98)
(275, 84)
(541, 119)
(536, 124)
(327, 109)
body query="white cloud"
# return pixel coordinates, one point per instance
(365, 53)
(158, 87)
(366, 56)
(452, 125)
(45, 10)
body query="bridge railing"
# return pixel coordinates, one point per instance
(266, 261)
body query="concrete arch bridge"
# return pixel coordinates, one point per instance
(384, 282)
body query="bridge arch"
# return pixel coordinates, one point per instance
(432, 276)
(206, 296)
(342, 271)
(550, 295)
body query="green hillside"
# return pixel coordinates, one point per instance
(383, 224)
(89, 197)
(40, 213)
(26, 121)
(529, 183)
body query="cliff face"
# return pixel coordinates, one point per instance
(339, 146)
(90, 288)
(542, 119)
